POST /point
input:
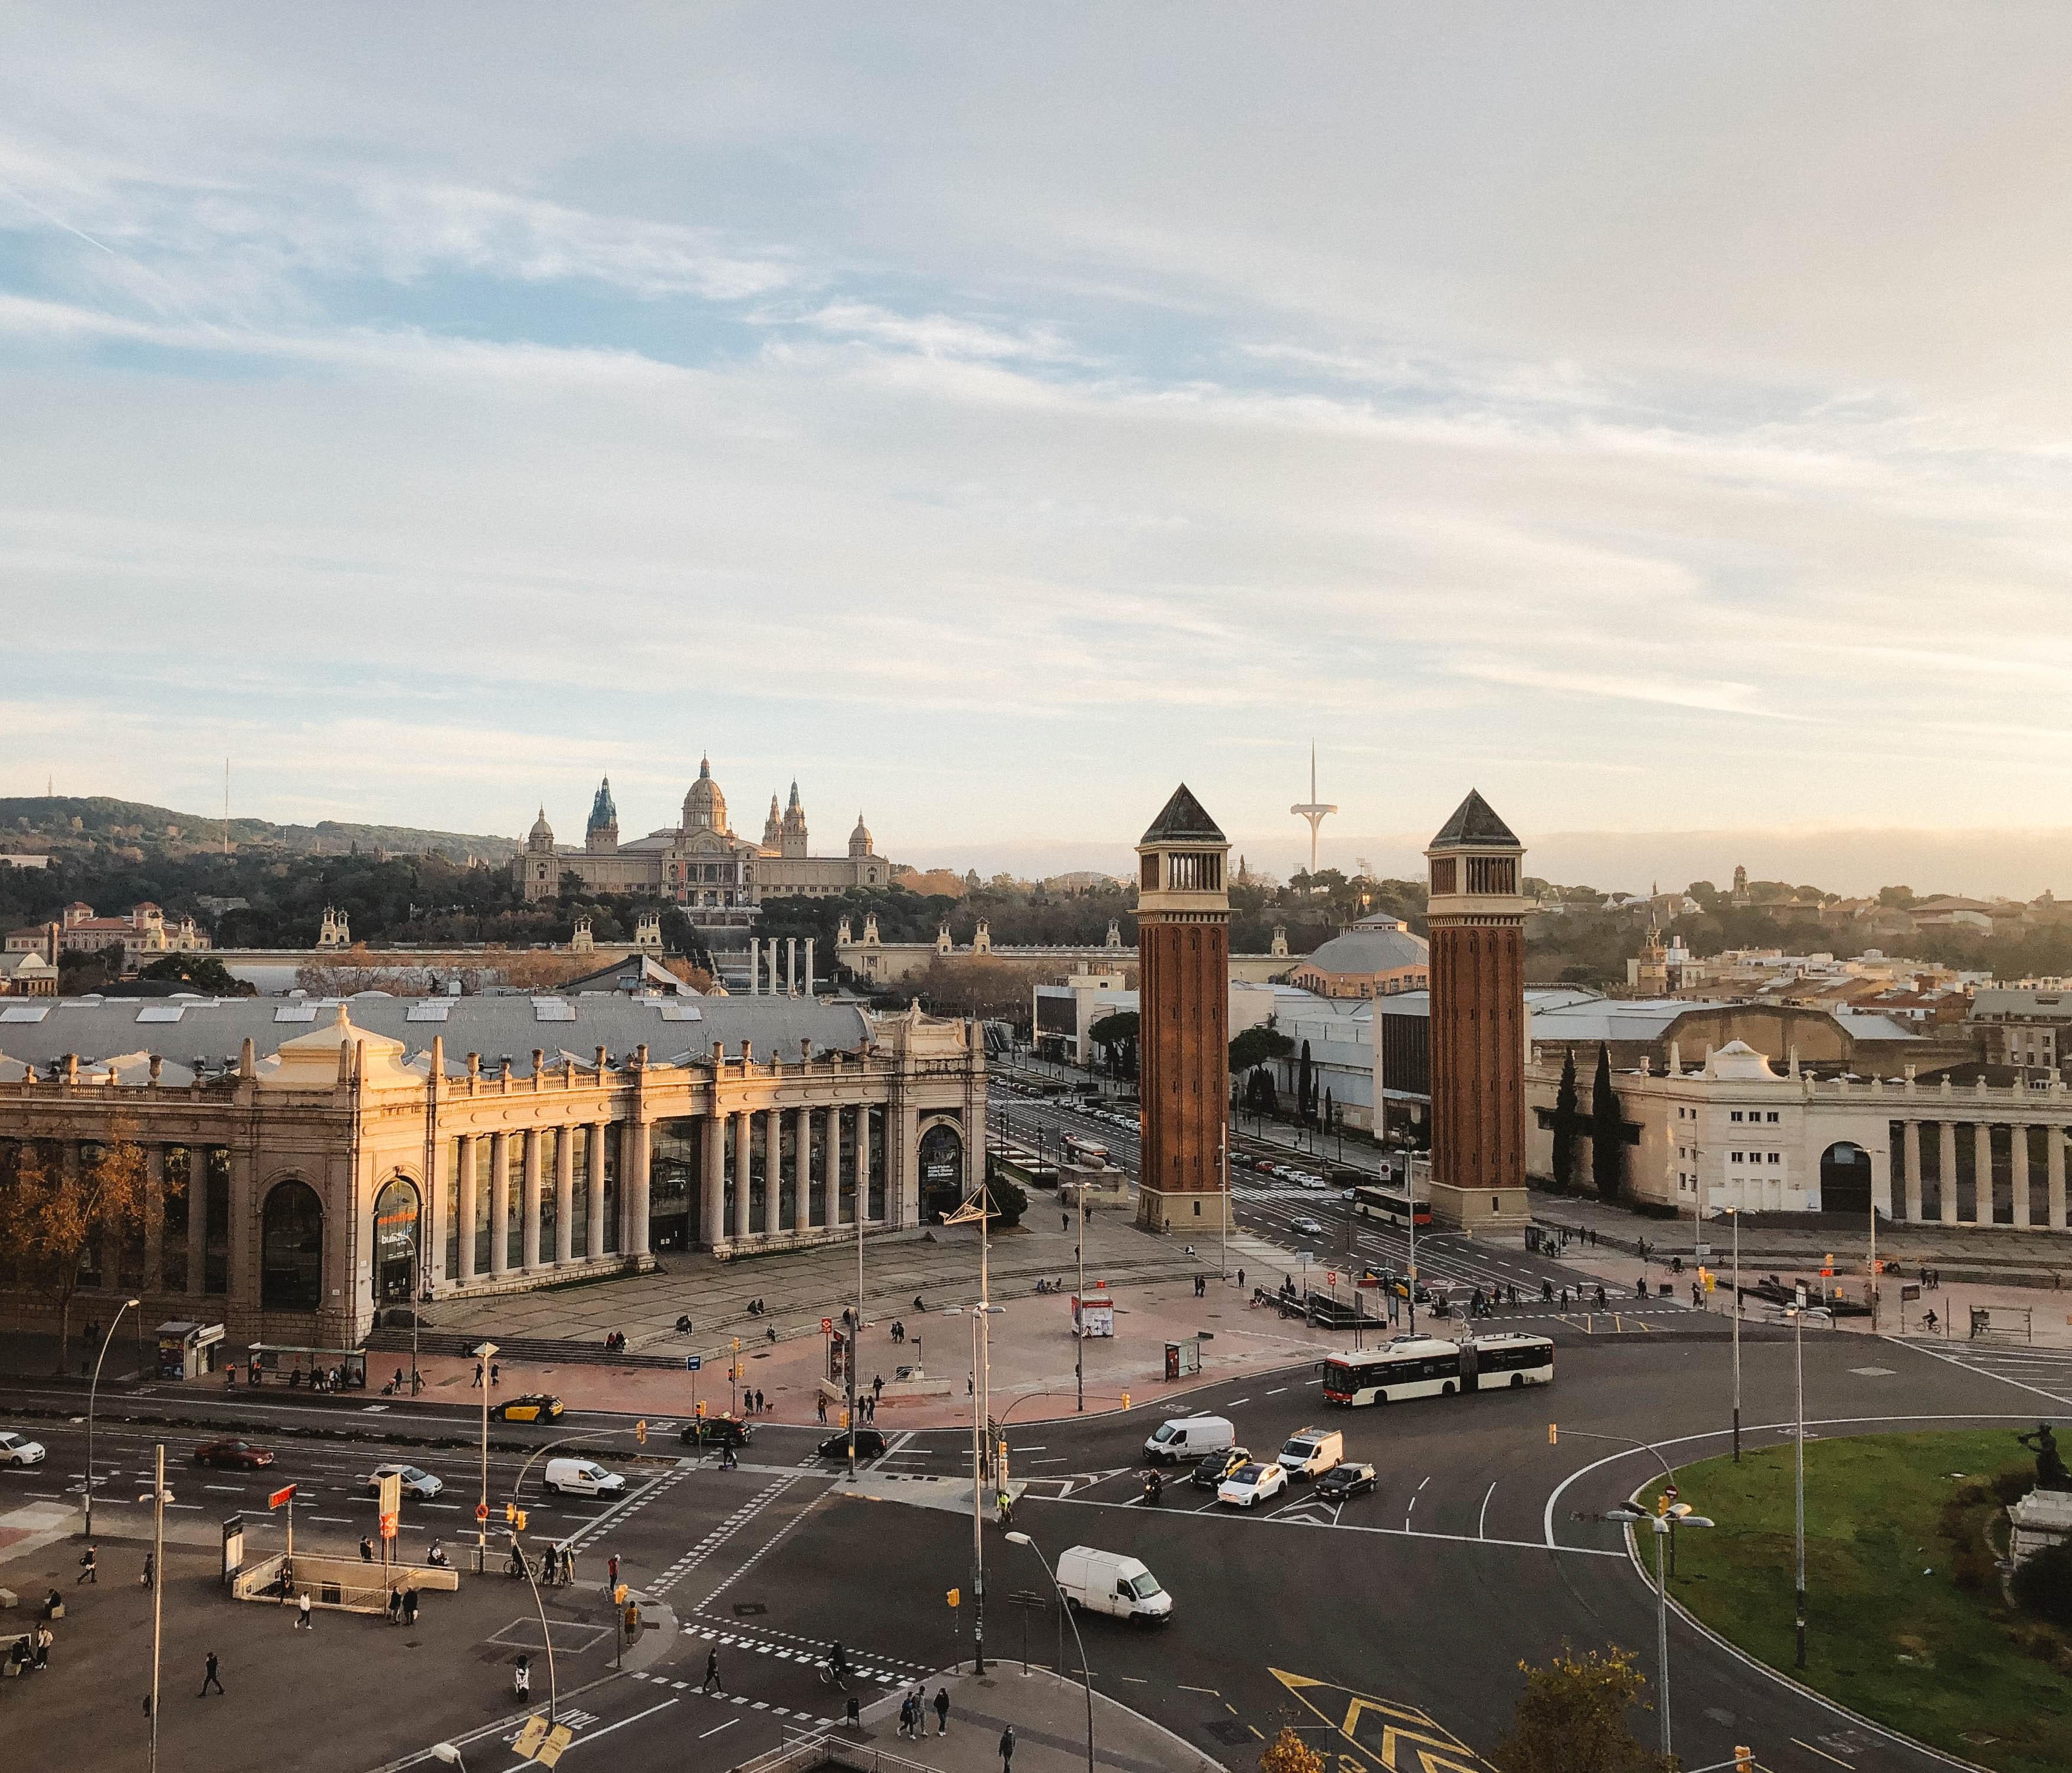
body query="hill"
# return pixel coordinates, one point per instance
(66, 824)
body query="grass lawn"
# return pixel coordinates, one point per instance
(1890, 1632)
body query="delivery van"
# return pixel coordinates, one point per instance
(1099, 1581)
(1189, 1437)
(582, 1478)
(1311, 1452)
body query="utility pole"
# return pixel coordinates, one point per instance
(484, 1353)
(158, 1591)
(1078, 1329)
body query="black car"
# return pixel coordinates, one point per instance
(1344, 1480)
(1212, 1470)
(870, 1444)
(721, 1430)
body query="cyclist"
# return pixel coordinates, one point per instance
(838, 1664)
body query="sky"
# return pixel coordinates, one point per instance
(1655, 417)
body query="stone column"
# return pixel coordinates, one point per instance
(863, 1162)
(529, 1235)
(2054, 1175)
(154, 1221)
(902, 1178)
(1948, 1189)
(773, 1167)
(712, 1218)
(1910, 1159)
(340, 1204)
(593, 1224)
(2018, 1172)
(565, 1198)
(639, 1139)
(500, 1203)
(802, 1179)
(831, 1120)
(197, 1222)
(743, 1124)
(469, 1207)
(1982, 1170)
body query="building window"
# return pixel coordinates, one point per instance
(1735, 1115)
(1444, 874)
(291, 1248)
(395, 1241)
(1734, 1157)
(179, 1194)
(1772, 1118)
(1492, 874)
(216, 1219)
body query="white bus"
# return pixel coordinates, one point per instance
(1430, 1367)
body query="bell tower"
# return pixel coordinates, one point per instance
(1477, 913)
(1183, 996)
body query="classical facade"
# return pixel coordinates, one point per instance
(313, 1163)
(876, 961)
(1736, 1129)
(142, 935)
(1183, 1037)
(1477, 914)
(699, 864)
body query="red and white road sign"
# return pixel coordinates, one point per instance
(827, 1327)
(1670, 1492)
(482, 1510)
(280, 1496)
(388, 1526)
(1331, 1276)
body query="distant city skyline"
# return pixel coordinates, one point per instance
(434, 411)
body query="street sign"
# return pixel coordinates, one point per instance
(1331, 1276)
(693, 1363)
(530, 1735)
(1669, 1490)
(388, 1526)
(391, 1497)
(482, 1510)
(557, 1739)
(827, 1327)
(280, 1496)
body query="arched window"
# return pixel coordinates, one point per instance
(291, 1249)
(942, 1164)
(395, 1241)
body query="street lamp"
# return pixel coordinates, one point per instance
(1086, 1672)
(160, 1495)
(1735, 1214)
(91, 1392)
(485, 1352)
(1799, 1314)
(1661, 1524)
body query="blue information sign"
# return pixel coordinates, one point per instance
(692, 1363)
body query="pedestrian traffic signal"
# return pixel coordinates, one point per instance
(1551, 1440)
(640, 1431)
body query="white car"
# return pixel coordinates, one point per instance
(1252, 1483)
(420, 1485)
(1305, 1227)
(20, 1450)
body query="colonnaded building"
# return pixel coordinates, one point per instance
(311, 1163)
(699, 864)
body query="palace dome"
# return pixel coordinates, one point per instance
(541, 837)
(859, 840)
(704, 807)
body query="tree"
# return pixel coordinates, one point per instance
(1007, 1200)
(52, 1212)
(1288, 1753)
(1570, 1718)
(1566, 1120)
(202, 971)
(1305, 1088)
(1607, 1131)
(1259, 1046)
(1260, 1097)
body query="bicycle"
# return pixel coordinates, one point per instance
(832, 1677)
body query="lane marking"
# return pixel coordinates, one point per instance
(1482, 1521)
(1386, 1532)
(716, 1729)
(1824, 1755)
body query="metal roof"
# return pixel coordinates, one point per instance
(1474, 824)
(1183, 818)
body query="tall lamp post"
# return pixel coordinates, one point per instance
(484, 1353)
(1086, 1672)
(160, 1495)
(1799, 1314)
(1735, 1214)
(93, 1391)
(1661, 1524)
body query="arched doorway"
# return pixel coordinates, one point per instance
(291, 1248)
(1845, 1179)
(942, 1170)
(395, 1241)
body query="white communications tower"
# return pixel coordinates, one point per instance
(1315, 811)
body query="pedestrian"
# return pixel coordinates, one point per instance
(210, 1677)
(366, 1549)
(410, 1606)
(495, 1375)
(395, 1608)
(151, 1569)
(521, 1679)
(302, 1620)
(88, 1571)
(611, 1574)
(877, 1384)
(820, 1405)
(1240, 1280)
(907, 1716)
(569, 1565)
(1007, 1749)
(1064, 1222)
(942, 1711)
(477, 1385)
(713, 1684)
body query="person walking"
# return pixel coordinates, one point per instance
(303, 1622)
(713, 1684)
(476, 1383)
(521, 1679)
(611, 1574)
(820, 1404)
(88, 1570)
(366, 1549)
(942, 1711)
(410, 1606)
(906, 1718)
(877, 1386)
(211, 1677)
(1007, 1750)
(151, 1569)
(1240, 1280)
(395, 1607)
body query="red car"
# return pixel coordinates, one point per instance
(232, 1455)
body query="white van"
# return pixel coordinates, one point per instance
(1311, 1452)
(1189, 1437)
(1109, 1582)
(582, 1478)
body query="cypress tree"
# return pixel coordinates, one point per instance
(1306, 1101)
(1565, 1121)
(1607, 1131)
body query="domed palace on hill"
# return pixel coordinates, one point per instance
(699, 864)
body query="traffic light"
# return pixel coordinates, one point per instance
(1662, 1503)
(701, 1409)
(521, 1520)
(956, 1597)
(640, 1431)
(1744, 1759)
(510, 1512)
(1551, 1441)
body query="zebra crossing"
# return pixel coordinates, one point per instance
(721, 1533)
(2045, 1372)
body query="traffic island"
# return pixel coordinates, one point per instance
(1908, 1623)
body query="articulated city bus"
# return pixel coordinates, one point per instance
(1431, 1367)
(1391, 1205)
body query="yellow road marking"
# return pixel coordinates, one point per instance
(1435, 1748)
(1825, 1756)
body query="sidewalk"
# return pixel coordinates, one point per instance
(1049, 1716)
